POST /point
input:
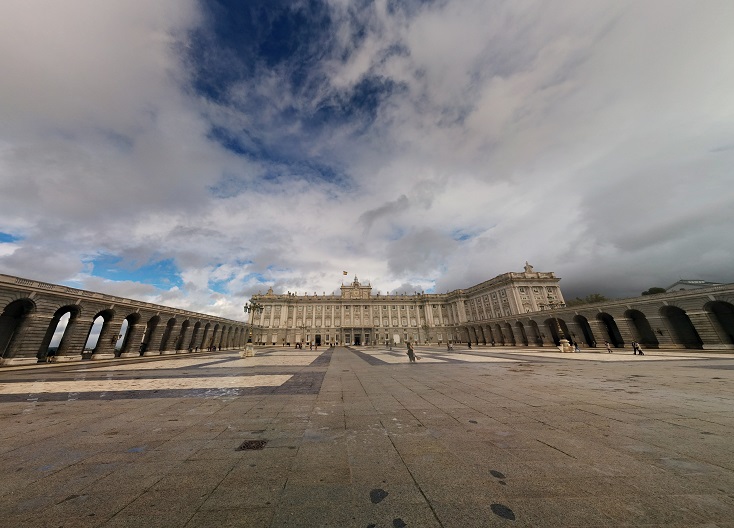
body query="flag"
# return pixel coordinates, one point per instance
(344, 272)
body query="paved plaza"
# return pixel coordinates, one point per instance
(358, 437)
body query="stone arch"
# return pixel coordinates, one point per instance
(104, 337)
(473, 336)
(680, 326)
(641, 329)
(180, 345)
(133, 321)
(612, 330)
(499, 334)
(480, 331)
(721, 314)
(215, 336)
(537, 336)
(193, 343)
(588, 334)
(510, 334)
(150, 329)
(65, 342)
(167, 333)
(223, 337)
(521, 332)
(488, 334)
(205, 337)
(13, 320)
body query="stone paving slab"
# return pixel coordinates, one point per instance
(481, 437)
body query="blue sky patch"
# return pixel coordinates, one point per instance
(7, 237)
(163, 274)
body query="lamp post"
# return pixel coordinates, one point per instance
(251, 309)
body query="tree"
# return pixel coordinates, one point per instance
(653, 291)
(591, 298)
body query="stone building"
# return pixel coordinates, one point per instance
(357, 316)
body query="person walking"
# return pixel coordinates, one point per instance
(634, 348)
(411, 352)
(609, 347)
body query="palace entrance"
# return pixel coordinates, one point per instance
(357, 339)
(318, 339)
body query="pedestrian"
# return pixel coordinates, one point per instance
(411, 352)
(634, 348)
(469, 343)
(576, 347)
(609, 347)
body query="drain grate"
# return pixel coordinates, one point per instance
(249, 445)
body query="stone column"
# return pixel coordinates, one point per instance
(707, 331)
(196, 333)
(105, 348)
(173, 338)
(510, 335)
(533, 333)
(546, 335)
(214, 338)
(599, 332)
(27, 340)
(663, 333)
(154, 343)
(575, 328)
(132, 343)
(623, 325)
(75, 337)
(185, 340)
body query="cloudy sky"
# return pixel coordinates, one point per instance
(193, 153)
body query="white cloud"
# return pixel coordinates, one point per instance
(590, 138)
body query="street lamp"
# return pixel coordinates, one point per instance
(251, 309)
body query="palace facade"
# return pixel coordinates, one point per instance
(357, 316)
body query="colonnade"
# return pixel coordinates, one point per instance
(31, 312)
(695, 319)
